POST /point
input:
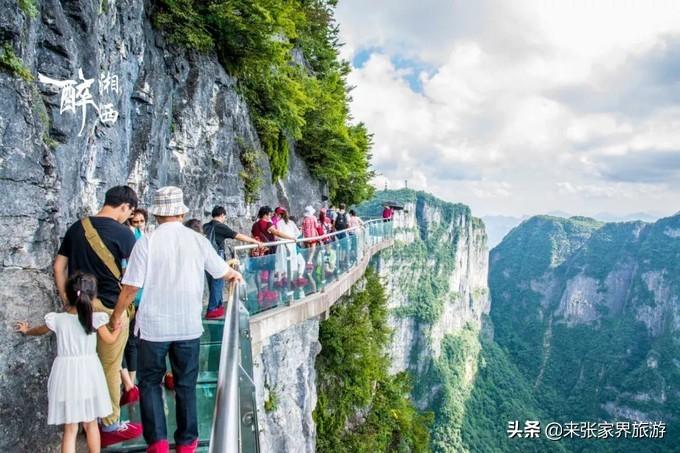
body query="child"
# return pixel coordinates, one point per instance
(76, 389)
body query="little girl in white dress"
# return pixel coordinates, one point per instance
(76, 389)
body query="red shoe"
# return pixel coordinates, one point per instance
(271, 296)
(126, 431)
(215, 314)
(191, 448)
(301, 281)
(160, 446)
(130, 396)
(169, 381)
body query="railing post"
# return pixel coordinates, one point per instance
(250, 434)
(224, 435)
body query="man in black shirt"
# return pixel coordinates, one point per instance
(217, 232)
(76, 254)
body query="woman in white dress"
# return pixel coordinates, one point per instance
(285, 225)
(76, 390)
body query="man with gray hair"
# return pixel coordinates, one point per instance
(170, 264)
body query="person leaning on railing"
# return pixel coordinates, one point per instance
(217, 232)
(264, 231)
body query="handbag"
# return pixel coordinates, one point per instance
(104, 254)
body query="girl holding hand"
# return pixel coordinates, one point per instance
(76, 390)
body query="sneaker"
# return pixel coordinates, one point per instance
(191, 448)
(169, 381)
(160, 446)
(125, 431)
(130, 396)
(215, 314)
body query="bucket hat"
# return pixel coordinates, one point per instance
(168, 201)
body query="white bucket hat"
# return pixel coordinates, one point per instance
(168, 201)
(309, 210)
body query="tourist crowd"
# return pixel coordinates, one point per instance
(133, 298)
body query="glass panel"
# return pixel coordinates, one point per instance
(205, 402)
(294, 271)
(263, 280)
(212, 331)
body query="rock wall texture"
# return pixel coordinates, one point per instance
(436, 281)
(180, 121)
(285, 381)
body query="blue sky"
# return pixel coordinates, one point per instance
(521, 107)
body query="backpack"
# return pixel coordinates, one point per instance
(341, 221)
(209, 231)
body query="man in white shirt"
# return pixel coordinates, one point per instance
(170, 264)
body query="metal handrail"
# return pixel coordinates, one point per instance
(225, 432)
(239, 248)
(226, 435)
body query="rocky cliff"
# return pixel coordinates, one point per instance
(436, 281)
(285, 380)
(179, 121)
(589, 313)
(436, 292)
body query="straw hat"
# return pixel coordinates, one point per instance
(168, 201)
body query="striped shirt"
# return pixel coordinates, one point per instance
(170, 263)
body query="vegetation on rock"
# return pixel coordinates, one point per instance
(284, 55)
(12, 64)
(361, 407)
(615, 356)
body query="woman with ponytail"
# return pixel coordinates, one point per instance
(76, 390)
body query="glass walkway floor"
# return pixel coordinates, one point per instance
(209, 361)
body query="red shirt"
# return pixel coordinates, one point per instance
(260, 231)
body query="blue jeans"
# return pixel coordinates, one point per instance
(184, 363)
(215, 288)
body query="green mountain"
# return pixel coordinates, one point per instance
(589, 314)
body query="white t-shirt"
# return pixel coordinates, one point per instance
(169, 264)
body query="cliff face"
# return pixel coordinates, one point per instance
(180, 121)
(436, 281)
(442, 245)
(590, 314)
(285, 380)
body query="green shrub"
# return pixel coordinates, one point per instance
(271, 403)
(29, 7)
(352, 378)
(289, 102)
(251, 175)
(12, 64)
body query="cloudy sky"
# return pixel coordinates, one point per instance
(522, 107)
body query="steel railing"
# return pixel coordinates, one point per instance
(234, 426)
(314, 239)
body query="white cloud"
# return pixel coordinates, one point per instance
(527, 106)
